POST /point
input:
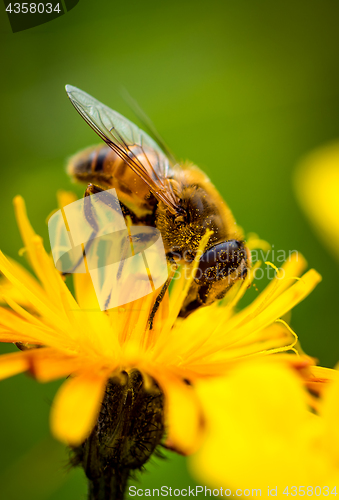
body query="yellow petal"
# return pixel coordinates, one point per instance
(254, 242)
(319, 378)
(294, 266)
(258, 430)
(183, 414)
(330, 412)
(76, 406)
(50, 364)
(84, 292)
(12, 364)
(250, 321)
(44, 364)
(245, 328)
(24, 331)
(65, 198)
(41, 262)
(10, 337)
(103, 336)
(8, 290)
(317, 186)
(26, 278)
(28, 235)
(58, 314)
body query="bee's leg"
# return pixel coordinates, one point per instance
(124, 253)
(107, 199)
(112, 202)
(158, 301)
(91, 219)
(162, 291)
(91, 189)
(88, 209)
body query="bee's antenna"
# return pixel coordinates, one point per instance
(147, 123)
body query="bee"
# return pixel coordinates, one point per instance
(179, 200)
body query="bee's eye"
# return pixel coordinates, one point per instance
(221, 260)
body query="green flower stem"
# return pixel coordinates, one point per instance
(111, 486)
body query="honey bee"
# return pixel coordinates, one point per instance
(179, 200)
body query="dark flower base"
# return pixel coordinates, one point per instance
(129, 428)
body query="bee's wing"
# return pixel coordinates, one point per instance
(134, 146)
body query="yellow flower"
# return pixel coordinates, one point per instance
(267, 428)
(261, 434)
(73, 337)
(317, 186)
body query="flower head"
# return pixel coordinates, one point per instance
(261, 432)
(317, 185)
(69, 335)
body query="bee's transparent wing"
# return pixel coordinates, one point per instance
(134, 146)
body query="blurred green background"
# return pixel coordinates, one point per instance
(242, 88)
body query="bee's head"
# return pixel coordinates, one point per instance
(219, 268)
(229, 259)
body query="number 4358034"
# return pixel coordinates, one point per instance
(32, 8)
(309, 491)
